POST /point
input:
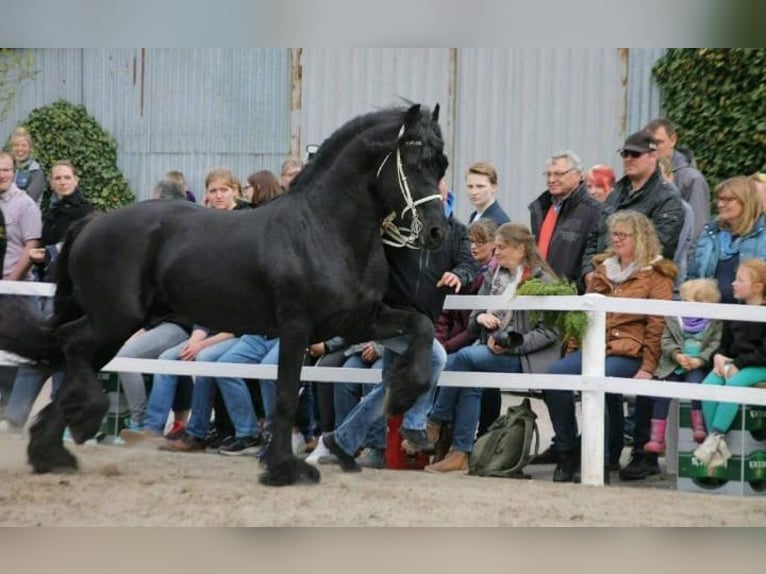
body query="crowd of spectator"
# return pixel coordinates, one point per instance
(646, 235)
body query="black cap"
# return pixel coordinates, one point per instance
(642, 141)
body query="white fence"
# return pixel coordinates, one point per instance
(591, 383)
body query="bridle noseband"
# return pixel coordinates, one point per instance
(391, 234)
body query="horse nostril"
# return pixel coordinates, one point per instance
(437, 235)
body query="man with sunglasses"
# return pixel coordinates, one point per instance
(641, 189)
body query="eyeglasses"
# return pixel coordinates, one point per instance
(630, 153)
(556, 174)
(725, 199)
(621, 235)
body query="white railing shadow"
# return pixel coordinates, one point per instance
(592, 383)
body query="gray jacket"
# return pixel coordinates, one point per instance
(540, 348)
(693, 188)
(673, 340)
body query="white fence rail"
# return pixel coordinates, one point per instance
(591, 383)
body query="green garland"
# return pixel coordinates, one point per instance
(570, 324)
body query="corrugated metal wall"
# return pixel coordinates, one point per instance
(193, 109)
(187, 109)
(516, 106)
(643, 93)
(341, 83)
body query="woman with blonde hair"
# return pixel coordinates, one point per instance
(509, 342)
(632, 267)
(29, 173)
(737, 234)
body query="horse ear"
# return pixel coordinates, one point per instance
(411, 116)
(435, 114)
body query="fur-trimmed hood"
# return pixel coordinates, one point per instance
(661, 265)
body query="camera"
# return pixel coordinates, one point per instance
(508, 339)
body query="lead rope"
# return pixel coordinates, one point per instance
(392, 234)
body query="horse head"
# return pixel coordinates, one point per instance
(408, 182)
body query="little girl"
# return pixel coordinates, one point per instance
(688, 344)
(740, 361)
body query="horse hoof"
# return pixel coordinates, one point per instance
(55, 460)
(289, 471)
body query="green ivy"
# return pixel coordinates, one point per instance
(569, 324)
(16, 67)
(64, 130)
(717, 99)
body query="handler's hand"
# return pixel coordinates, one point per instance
(450, 280)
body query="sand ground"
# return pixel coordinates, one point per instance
(120, 486)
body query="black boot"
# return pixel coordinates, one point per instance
(641, 466)
(566, 467)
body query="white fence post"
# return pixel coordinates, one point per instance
(593, 364)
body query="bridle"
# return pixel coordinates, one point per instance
(392, 234)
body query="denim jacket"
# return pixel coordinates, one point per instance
(707, 252)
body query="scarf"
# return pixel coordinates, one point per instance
(504, 282)
(694, 325)
(617, 274)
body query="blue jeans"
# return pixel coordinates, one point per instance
(350, 435)
(661, 405)
(465, 402)
(164, 389)
(248, 349)
(347, 396)
(29, 381)
(561, 405)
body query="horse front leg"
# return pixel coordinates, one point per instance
(282, 466)
(408, 374)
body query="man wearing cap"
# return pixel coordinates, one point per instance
(641, 189)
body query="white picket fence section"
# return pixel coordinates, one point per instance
(592, 383)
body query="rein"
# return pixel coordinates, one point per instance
(392, 234)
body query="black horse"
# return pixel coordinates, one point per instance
(305, 267)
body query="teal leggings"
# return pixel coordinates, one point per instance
(719, 416)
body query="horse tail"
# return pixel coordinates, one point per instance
(24, 332)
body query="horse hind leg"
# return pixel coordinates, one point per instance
(46, 451)
(83, 401)
(282, 466)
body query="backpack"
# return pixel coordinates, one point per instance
(505, 449)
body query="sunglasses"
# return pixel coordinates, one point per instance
(630, 153)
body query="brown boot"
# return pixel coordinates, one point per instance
(455, 460)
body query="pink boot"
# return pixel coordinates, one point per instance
(657, 441)
(698, 426)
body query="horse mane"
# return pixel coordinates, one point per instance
(373, 129)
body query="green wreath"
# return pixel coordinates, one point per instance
(570, 324)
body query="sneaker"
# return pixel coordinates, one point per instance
(7, 426)
(177, 430)
(213, 440)
(298, 443)
(186, 443)
(321, 454)
(372, 458)
(708, 448)
(416, 440)
(240, 446)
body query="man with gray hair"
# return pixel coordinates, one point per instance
(563, 215)
(561, 219)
